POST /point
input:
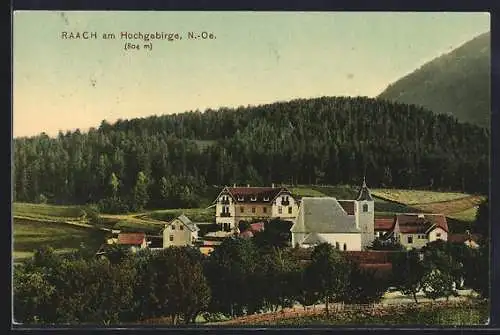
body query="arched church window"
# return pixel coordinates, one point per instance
(365, 208)
(337, 245)
(345, 247)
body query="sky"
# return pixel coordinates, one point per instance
(255, 58)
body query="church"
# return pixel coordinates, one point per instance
(346, 224)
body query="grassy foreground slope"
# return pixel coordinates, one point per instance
(29, 235)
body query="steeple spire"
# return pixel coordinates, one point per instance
(364, 192)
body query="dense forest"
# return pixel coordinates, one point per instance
(169, 160)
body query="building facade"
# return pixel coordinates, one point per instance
(415, 230)
(181, 231)
(236, 204)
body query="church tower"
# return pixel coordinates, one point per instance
(365, 216)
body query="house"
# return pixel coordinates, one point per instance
(135, 241)
(346, 224)
(415, 230)
(181, 231)
(236, 204)
(470, 240)
(383, 226)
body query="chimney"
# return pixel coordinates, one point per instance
(248, 185)
(234, 185)
(273, 185)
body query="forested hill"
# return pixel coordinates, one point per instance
(457, 83)
(168, 160)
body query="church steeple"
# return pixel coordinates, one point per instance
(364, 192)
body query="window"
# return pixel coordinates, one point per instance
(264, 209)
(365, 208)
(290, 210)
(337, 245)
(242, 209)
(253, 209)
(266, 198)
(173, 227)
(410, 239)
(280, 210)
(171, 238)
(254, 198)
(240, 199)
(438, 235)
(181, 227)
(345, 247)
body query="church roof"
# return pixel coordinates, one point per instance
(323, 215)
(364, 193)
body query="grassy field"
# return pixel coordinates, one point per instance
(468, 215)
(44, 211)
(413, 197)
(340, 191)
(306, 192)
(30, 235)
(195, 214)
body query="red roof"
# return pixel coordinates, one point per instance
(131, 238)
(256, 227)
(420, 223)
(347, 205)
(260, 194)
(461, 238)
(384, 224)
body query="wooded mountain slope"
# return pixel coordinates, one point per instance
(158, 161)
(457, 83)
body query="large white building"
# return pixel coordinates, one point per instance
(346, 224)
(236, 204)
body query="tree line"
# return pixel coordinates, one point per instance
(237, 278)
(170, 160)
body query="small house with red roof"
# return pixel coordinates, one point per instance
(383, 226)
(133, 240)
(470, 240)
(414, 230)
(236, 204)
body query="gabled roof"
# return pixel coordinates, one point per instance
(462, 238)
(384, 224)
(260, 194)
(421, 223)
(348, 206)
(185, 221)
(364, 193)
(323, 215)
(131, 238)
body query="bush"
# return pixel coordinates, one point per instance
(113, 206)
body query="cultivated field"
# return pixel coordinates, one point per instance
(413, 197)
(451, 207)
